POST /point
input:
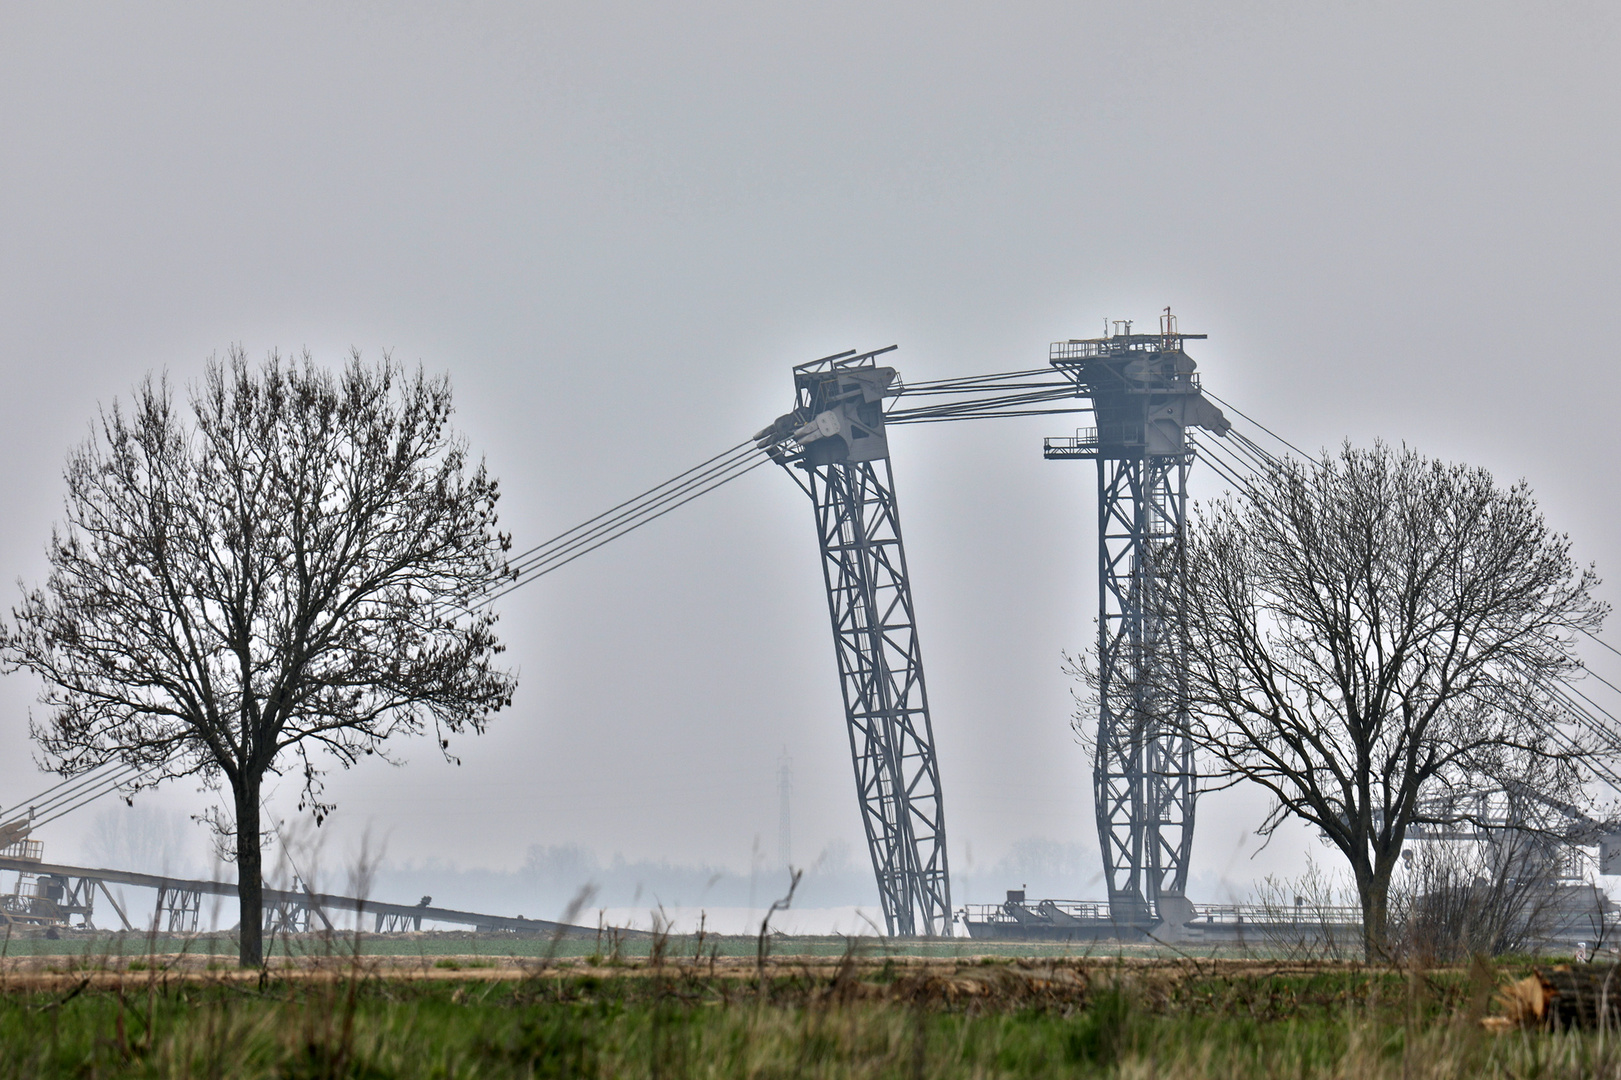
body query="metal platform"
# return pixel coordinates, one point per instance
(1573, 914)
(1088, 920)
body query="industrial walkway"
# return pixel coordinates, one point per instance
(49, 894)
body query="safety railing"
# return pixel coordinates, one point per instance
(1057, 912)
(31, 850)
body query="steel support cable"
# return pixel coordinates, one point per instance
(1585, 720)
(1226, 473)
(1601, 641)
(1225, 469)
(907, 419)
(1578, 715)
(1269, 456)
(89, 781)
(1254, 491)
(747, 467)
(568, 545)
(1014, 396)
(985, 407)
(42, 818)
(1244, 436)
(1563, 692)
(113, 773)
(1595, 675)
(1272, 460)
(1044, 392)
(988, 414)
(1258, 450)
(981, 388)
(1228, 405)
(1263, 466)
(1048, 389)
(1251, 449)
(91, 797)
(1560, 691)
(1569, 688)
(69, 780)
(952, 380)
(1236, 471)
(1581, 715)
(1261, 462)
(980, 409)
(1257, 489)
(972, 381)
(73, 793)
(645, 510)
(634, 503)
(1239, 474)
(631, 518)
(1243, 447)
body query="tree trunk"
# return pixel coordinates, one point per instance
(250, 884)
(1375, 897)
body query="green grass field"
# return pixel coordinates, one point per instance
(93, 943)
(686, 1014)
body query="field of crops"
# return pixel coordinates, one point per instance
(693, 1011)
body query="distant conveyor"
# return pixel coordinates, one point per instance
(59, 892)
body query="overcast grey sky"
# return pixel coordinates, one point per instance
(617, 225)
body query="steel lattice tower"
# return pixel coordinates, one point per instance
(838, 429)
(1144, 395)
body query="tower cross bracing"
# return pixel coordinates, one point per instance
(839, 454)
(1145, 395)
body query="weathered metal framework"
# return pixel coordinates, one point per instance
(184, 908)
(839, 445)
(1144, 396)
(48, 894)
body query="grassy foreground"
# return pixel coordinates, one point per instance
(812, 1016)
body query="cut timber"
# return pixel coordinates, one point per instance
(1562, 997)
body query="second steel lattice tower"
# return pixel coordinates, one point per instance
(1145, 395)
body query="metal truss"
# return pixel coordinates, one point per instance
(1145, 395)
(1143, 772)
(397, 923)
(183, 906)
(288, 916)
(839, 443)
(885, 701)
(51, 900)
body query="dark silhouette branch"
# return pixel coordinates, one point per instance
(1373, 631)
(278, 572)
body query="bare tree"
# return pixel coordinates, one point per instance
(280, 580)
(1372, 638)
(1473, 896)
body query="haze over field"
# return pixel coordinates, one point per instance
(618, 225)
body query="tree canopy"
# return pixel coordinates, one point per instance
(282, 576)
(1375, 638)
